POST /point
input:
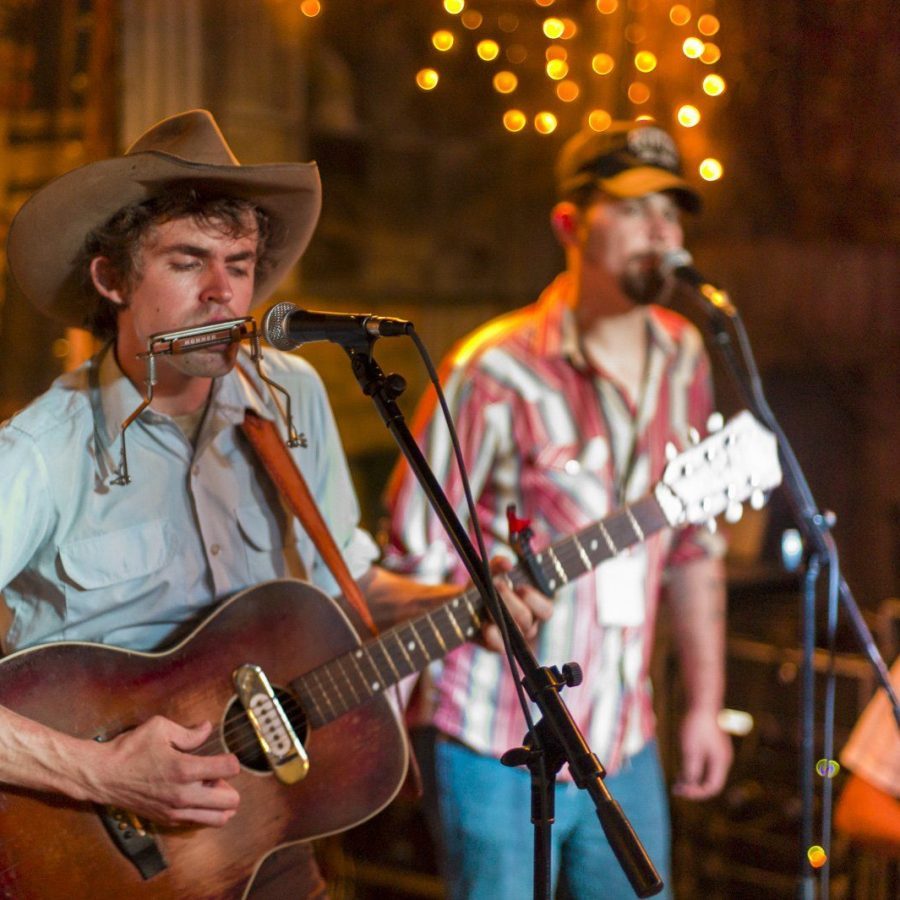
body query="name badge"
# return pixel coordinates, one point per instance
(621, 598)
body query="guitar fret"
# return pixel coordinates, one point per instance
(634, 523)
(455, 624)
(379, 682)
(406, 655)
(314, 678)
(585, 559)
(606, 537)
(336, 692)
(437, 633)
(348, 680)
(554, 559)
(390, 662)
(372, 681)
(415, 634)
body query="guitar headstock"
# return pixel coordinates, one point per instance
(733, 465)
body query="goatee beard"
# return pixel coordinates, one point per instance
(642, 286)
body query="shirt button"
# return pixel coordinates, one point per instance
(215, 549)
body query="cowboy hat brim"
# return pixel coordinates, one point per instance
(47, 234)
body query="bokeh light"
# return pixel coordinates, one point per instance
(310, 8)
(505, 82)
(687, 115)
(568, 90)
(603, 63)
(692, 48)
(427, 79)
(645, 61)
(635, 33)
(454, 7)
(570, 29)
(816, 856)
(442, 40)
(514, 120)
(508, 22)
(679, 14)
(545, 123)
(487, 50)
(599, 119)
(711, 53)
(707, 24)
(607, 7)
(554, 28)
(714, 85)
(638, 92)
(472, 19)
(710, 169)
(516, 54)
(828, 768)
(557, 69)
(555, 51)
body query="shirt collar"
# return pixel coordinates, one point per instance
(114, 398)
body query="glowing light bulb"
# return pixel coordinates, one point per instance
(310, 8)
(454, 7)
(557, 69)
(599, 119)
(442, 40)
(710, 169)
(638, 92)
(707, 24)
(603, 63)
(645, 61)
(545, 123)
(568, 90)
(688, 115)
(816, 856)
(553, 28)
(713, 85)
(692, 48)
(427, 79)
(711, 53)
(679, 14)
(514, 120)
(505, 82)
(487, 50)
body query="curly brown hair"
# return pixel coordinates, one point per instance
(121, 239)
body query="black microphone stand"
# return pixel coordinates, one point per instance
(820, 550)
(556, 738)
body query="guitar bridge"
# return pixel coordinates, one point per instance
(283, 750)
(134, 840)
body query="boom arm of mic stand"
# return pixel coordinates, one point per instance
(812, 522)
(538, 681)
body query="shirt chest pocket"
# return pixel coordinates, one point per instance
(116, 557)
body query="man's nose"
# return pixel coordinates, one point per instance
(217, 285)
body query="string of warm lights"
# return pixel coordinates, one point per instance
(594, 60)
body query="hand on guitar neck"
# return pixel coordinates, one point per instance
(154, 770)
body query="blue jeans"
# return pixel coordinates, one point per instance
(488, 838)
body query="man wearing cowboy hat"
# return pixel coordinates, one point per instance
(564, 409)
(173, 234)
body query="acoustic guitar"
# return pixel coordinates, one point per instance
(298, 698)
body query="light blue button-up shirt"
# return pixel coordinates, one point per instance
(82, 558)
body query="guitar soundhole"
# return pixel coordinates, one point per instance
(241, 740)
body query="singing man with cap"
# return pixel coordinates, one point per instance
(175, 234)
(564, 408)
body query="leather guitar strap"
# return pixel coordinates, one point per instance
(284, 472)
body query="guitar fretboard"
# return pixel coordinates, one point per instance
(347, 681)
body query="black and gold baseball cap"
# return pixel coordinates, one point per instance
(628, 159)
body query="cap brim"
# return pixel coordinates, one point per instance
(643, 180)
(48, 232)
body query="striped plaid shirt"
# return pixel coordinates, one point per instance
(542, 429)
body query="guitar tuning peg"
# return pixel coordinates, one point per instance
(671, 451)
(757, 499)
(733, 512)
(693, 435)
(712, 526)
(715, 422)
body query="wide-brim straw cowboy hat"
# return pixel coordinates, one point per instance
(48, 233)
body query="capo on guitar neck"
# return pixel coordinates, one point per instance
(520, 536)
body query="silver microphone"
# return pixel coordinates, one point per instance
(679, 264)
(285, 326)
